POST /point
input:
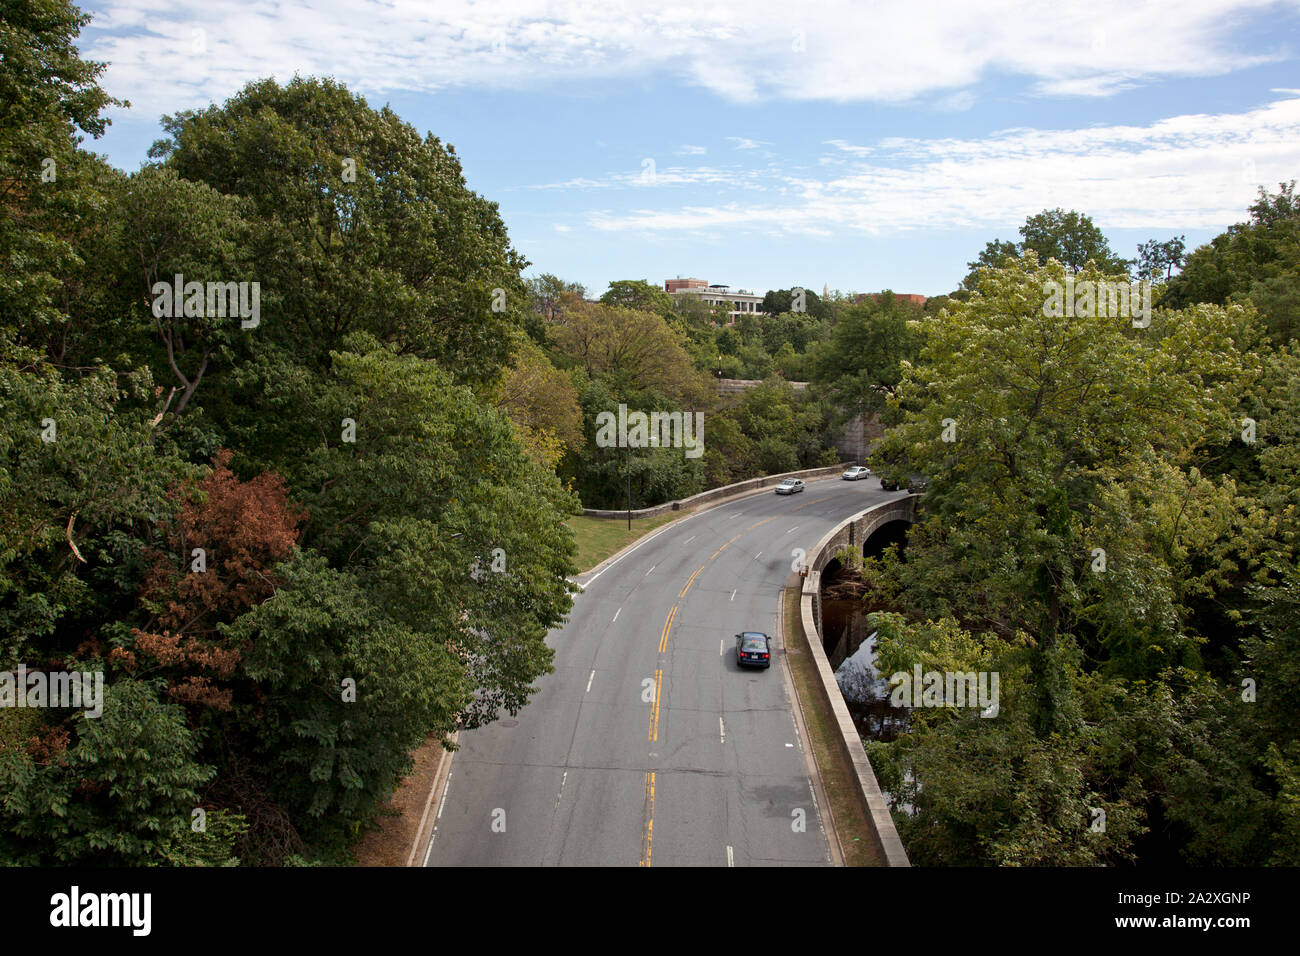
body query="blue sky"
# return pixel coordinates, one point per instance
(861, 145)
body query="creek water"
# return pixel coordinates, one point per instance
(865, 691)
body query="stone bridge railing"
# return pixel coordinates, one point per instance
(852, 533)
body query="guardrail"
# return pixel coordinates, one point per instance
(848, 533)
(726, 491)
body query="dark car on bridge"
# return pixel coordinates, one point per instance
(753, 649)
(915, 483)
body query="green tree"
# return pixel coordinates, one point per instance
(50, 99)
(1158, 260)
(638, 295)
(862, 362)
(632, 350)
(779, 301)
(1256, 261)
(1070, 238)
(364, 226)
(81, 474)
(1064, 540)
(120, 795)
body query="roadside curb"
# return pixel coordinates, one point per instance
(440, 778)
(686, 513)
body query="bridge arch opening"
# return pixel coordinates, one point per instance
(887, 535)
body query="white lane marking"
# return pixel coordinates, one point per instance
(757, 556)
(722, 731)
(733, 596)
(589, 680)
(646, 540)
(690, 539)
(561, 793)
(795, 528)
(789, 745)
(730, 859)
(722, 644)
(652, 568)
(445, 790)
(616, 614)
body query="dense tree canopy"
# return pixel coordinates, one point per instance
(297, 531)
(1072, 543)
(1257, 261)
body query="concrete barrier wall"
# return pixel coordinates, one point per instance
(726, 491)
(734, 386)
(852, 532)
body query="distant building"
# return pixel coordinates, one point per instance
(909, 297)
(738, 301)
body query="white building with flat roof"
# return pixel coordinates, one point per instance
(738, 301)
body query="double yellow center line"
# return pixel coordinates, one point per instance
(652, 734)
(654, 707)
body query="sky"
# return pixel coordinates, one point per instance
(765, 144)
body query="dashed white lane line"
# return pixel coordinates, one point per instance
(652, 570)
(722, 731)
(445, 790)
(616, 614)
(589, 680)
(795, 528)
(722, 644)
(730, 859)
(690, 539)
(757, 556)
(644, 541)
(733, 596)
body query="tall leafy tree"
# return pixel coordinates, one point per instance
(862, 362)
(1063, 542)
(50, 100)
(365, 226)
(638, 295)
(1070, 238)
(1158, 260)
(1257, 261)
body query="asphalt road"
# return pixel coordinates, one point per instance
(648, 745)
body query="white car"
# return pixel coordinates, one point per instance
(790, 486)
(856, 472)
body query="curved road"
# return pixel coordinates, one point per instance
(648, 745)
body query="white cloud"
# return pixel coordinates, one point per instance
(1190, 171)
(666, 176)
(849, 147)
(956, 102)
(687, 150)
(739, 49)
(743, 142)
